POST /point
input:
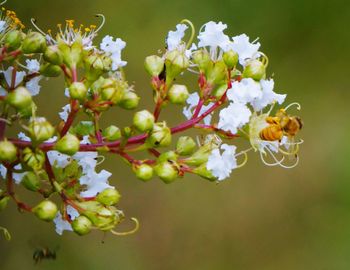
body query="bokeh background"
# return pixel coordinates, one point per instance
(263, 218)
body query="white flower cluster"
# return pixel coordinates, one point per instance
(114, 50)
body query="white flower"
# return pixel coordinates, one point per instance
(174, 38)
(233, 117)
(192, 101)
(72, 212)
(33, 65)
(213, 35)
(95, 182)
(58, 159)
(221, 165)
(9, 74)
(23, 137)
(268, 96)
(33, 85)
(61, 224)
(87, 160)
(64, 114)
(114, 50)
(17, 177)
(3, 26)
(244, 48)
(245, 91)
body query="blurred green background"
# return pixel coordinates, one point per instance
(263, 218)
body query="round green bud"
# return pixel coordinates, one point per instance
(204, 172)
(160, 135)
(202, 59)
(50, 70)
(218, 73)
(230, 59)
(185, 146)
(200, 156)
(166, 172)
(178, 94)
(108, 93)
(143, 120)
(82, 225)
(34, 42)
(69, 144)
(255, 69)
(13, 39)
(168, 156)
(53, 55)
(46, 210)
(112, 133)
(143, 172)
(154, 65)
(219, 90)
(27, 112)
(34, 158)
(78, 90)
(109, 196)
(129, 101)
(40, 129)
(8, 151)
(19, 98)
(3, 202)
(175, 62)
(31, 181)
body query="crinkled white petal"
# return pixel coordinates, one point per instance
(95, 183)
(233, 117)
(33, 65)
(245, 91)
(61, 224)
(64, 114)
(114, 49)
(8, 77)
(221, 165)
(33, 85)
(244, 48)
(23, 137)
(72, 212)
(58, 159)
(17, 177)
(174, 38)
(213, 35)
(87, 161)
(268, 96)
(192, 102)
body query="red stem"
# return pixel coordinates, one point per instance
(74, 109)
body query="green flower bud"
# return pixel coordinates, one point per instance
(34, 159)
(129, 101)
(166, 171)
(45, 210)
(3, 202)
(20, 98)
(78, 90)
(202, 59)
(40, 129)
(34, 42)
(168, 156)
(81, 225)
(13, 39)
(31, 181)
(127, 132)
(217, 74)
(50, 70)
(72, 54)
(185, 146)
(95, 62)
(53, 55)
(27, 112)
(154, 65)
(109, 196)
(84, 128)
(178, 94)
(112, 133)
(143, 172)
(200, 156)
(176, 63)
(230, 58)
(69, 144)
(143, 120)
(219, 90)
(160, 135)
(255, 70)
(204, 172)
(8, 151)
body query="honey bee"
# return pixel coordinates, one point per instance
(281, 125)
(43, 254)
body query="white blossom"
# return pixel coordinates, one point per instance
(213, 35)
(113, 49)
(87, 161)
(245, 91)
(268, 96)
(244, 48)
(17, 177)
(33, 85)
(192, 102)
(221, 165)
(174, 38)
(9, 74)
(61, 224)
(64, 114)
(235, 116)
(58, 159)
(95, 183)
(33, 65)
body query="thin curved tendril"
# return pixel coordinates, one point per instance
(3, 2)
(277, 162)
(265, 59)
(244, 161)
(193, 32)
(33, 21)
(102, 23)
(137, 226)
(102, 159)
(5, 231)
(271, 108)
(293, 104)
(289, 153)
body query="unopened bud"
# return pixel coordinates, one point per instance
(185, 146)
(204, 172)
(200, 156)
(69, 144)
(168, 156)
(82, 225)
(129, 101)
(50, 70)
(84, 128)
(34, 42)
(218, 73)
(219, 90)
(176, 62)
(154, 65)
(160, 135)
(13, 39)
(202, 59)
(34, 158)
(78, 90)
(166, 171)
(31, 181)
(109, 196)
(46, 210)
(19, 98)
(230, 58)
(143, 120)
(178, 94)
(27, 112)
(53, 55)
(40, 129)
(144, 172)
(255, 69)
(8, 151)
(112, 133)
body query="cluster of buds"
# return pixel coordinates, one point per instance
(58, 161)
